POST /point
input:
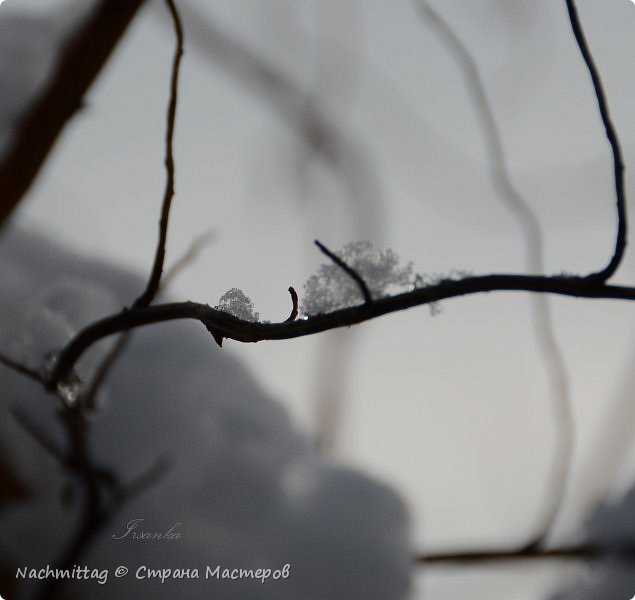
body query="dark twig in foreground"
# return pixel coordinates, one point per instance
(368, 298)
(82, 58)
(611, 134)
(157, 269)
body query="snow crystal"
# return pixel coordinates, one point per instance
(236, 303)
(331, 288)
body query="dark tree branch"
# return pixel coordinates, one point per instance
(82, 58)
(611, 134)
(368, 298)
(231, 327)
(157, 269)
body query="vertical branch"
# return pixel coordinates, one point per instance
(545, 337)
(154, 282)
(152, 286)
(611, 134)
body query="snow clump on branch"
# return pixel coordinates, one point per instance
(331, 288)
(236, 303)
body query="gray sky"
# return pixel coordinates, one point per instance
(453, 409)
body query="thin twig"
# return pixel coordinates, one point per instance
(294, 310)
(103, 370)
(530, 227)
(229, 326)
(154, 282)
(368, 298)
(7, 361)
(611, 134)
(197, 245)
(84, 54)
(157, 269)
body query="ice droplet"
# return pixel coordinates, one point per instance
(69, 391)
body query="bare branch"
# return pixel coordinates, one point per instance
(157, 269)
(103, 370)
(83, 57)
(368, 298)
(228, 326)
(611, 134)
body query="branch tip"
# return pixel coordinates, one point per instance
(368, 298)
(294, 310)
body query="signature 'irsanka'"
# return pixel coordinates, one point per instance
(133, 531)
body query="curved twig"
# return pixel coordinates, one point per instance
(611, 134)
(157, 269)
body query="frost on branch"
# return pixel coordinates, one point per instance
(236, 303)
(331, 288)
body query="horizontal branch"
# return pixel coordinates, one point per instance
(228, 326)
(585, 552)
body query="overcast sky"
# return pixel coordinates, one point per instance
(453, 410)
